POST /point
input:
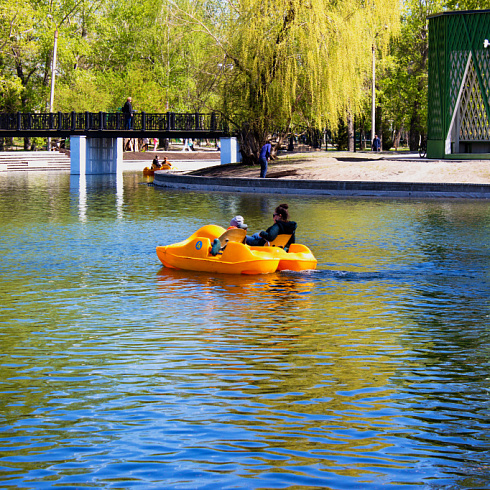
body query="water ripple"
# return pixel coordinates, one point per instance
(116, 372)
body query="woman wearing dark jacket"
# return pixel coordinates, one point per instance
(281, 226)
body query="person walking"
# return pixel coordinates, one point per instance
(128, 114)
(376, 143)
(265, 153)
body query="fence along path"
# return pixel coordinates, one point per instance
(110, 125)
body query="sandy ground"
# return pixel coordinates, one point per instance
(344, 166)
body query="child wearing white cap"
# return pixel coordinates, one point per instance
(237, 222)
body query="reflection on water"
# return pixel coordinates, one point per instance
(118, 372)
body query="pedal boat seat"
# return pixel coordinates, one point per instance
(233, 235)
(281, 241)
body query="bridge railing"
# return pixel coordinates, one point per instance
(115, 121)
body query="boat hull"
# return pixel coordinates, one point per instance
(236, 258)
(195, 255)
(297, 258)
(150, 172)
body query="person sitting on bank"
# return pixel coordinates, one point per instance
(155, 165)
(281, 226)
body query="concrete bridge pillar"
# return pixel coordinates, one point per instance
(91, 156)
(230, 151)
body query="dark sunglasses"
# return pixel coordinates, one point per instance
(274, 215)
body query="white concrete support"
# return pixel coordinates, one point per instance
(230, 151)
(91, 156)
(78, 155)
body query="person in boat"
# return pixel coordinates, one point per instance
(281, 226)
(155, 165)
(237, 222)
(166, 162)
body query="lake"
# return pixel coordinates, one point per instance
(116, 372)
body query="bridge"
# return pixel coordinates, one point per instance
(96, 139)
(114, 125)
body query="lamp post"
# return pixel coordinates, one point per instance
(53, 70)
(53, 74)
(373, 106)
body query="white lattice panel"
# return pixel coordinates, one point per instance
(473, 120)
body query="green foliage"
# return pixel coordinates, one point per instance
(403, 76)
(280, 64)
(467, 5)
(10, 91)
(289, 62)
(106, 51)
(302, 60)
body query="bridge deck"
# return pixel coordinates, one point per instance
(113, 125)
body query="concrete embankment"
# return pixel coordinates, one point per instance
(322, 187)
(34, 160)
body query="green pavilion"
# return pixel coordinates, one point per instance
(458, 117)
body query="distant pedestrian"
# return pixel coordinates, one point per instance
(265, 153)
(128, 114)
(376, 143)
(155, 144)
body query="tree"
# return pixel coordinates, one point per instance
(292, 62)
(106, 51)
(403, 76)
(266, 66)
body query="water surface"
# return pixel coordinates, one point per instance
(118, 373)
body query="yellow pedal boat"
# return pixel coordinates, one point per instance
(234, 257)
(297, 258)
(147, 171)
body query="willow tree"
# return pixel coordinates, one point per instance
(283, 63)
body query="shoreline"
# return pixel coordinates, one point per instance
(361, 167)
(314, 165)
(330, 188)
(343, 175)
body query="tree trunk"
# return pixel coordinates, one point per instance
(251, 141)
(396, 142)
(414, 135)
(250, 144)
(351, 135)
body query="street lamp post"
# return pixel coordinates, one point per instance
(53, 75)
(373, 107)
(53, 70)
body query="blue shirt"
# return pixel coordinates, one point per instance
(265, 151)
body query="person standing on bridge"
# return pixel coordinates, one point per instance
(128, 114)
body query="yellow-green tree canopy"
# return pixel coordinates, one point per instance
(287, 59)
